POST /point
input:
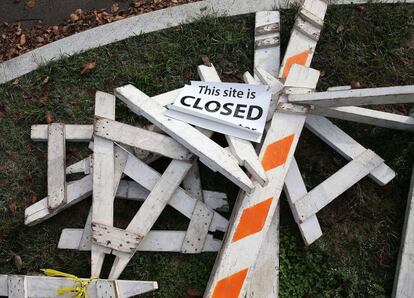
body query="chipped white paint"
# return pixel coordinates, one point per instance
(158, 241)
(75, 192)
(140, 138)
(25, 286)
(73, 132)
(151, 209)
(208, 151)
(197, 231)
(368, 116)
(357, 97)
(103, 178)
(56, 159)
(267, 27)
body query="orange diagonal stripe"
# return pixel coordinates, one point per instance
(230, 287)
(300, 58)
(252, 220)
(277, 153)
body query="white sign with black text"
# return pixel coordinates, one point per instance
(234, 109)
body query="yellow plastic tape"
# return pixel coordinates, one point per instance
(81, 289)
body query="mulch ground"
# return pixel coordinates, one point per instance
(16, 39)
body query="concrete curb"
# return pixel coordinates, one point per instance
(145, 23)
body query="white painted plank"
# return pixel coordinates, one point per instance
(106, 289)
(357, 97)
(151, 209)
(335, 185)
(73, 132)
(17, 286)
(46, 287)
(181, 200)
(82, 166)
(267, 27)
(140, 138)
(216, 200)
(404, 279)
(304, 36)
(158, 241)
(243, 241)
(76, 191)
(192, 182)
(197, 231)
(103, 178)
(367, 116)
(56, 160)
(276, 88)
(295, 189)
(242, 149)
(345, 145)
(188, 136)
(115, 238)
(265, 279)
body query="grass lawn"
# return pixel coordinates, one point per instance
(356, 257)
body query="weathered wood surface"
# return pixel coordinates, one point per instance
(404, 278)
(357, 97)
(295, 189)
(208, 151)
(345, 145)
(192, 182)
(367, 116)
(83, 166)
(56, 160)
(197, 231)
(115, 238)
(158, 241)
(22, 286)
(304, 36)
(244, 239)
(151, 209)
(276, 88)
(267, 27)
(103, 178)
(242, 149)
(140, 138)
(75, 192)
(73, 132)
(335, 185)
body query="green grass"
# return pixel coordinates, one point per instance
(356, 256)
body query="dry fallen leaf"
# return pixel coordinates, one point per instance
(33, 197)
(13, 207)
(49, 117)
(74, 17)
(137, 3)
(79, 12)
(30, 3)
(88, 67)
(322, 73)
(15, 82)
(355, 85)
(340, 29)
(114, 8)
(40, 39)
(18, 262)
(22, 39)
(46, 80)
(193, 293)
(42, 101)
(206, 60)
